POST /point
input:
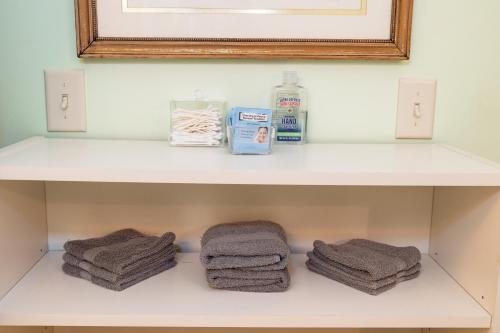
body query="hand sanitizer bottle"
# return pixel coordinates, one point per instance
(290, 110)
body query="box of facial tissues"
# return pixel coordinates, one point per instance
(249, 130)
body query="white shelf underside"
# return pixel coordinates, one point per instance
(181, 298)
(312, 164)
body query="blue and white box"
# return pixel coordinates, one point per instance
(250, 130)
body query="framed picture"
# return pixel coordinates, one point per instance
(308, 29)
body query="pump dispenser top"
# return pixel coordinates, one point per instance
(290, 78)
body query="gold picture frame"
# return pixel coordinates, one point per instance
(91, 45)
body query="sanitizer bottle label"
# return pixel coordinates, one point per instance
(288, 127)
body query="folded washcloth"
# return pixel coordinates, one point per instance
(124, 281)
(120, 251)
(251, 281)
(257, 245)
(167, 254)
(317, 258)
(367, 260)
(372, 287)
(357, 284)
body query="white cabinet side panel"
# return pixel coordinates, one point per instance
(23, 226)
(396, 215)
(465, 238)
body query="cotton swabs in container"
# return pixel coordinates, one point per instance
(201, 127)
(197, 123)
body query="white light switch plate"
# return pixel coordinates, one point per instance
(65, 100)
(416, 107)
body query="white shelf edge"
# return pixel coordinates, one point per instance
(181, 298)
(22, 161)
(18, 146)
(470, 155)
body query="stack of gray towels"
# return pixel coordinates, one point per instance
(365, 265)
(121, 259)
(246, 256)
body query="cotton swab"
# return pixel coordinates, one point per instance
(197, 127)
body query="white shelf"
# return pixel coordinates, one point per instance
(312, 164)
(181, 298)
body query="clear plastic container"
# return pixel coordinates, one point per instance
(197, 123)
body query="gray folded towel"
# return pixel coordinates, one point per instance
(317, 258)
(165, 255)
(124, 281)
(250, 281)
(257, 245)
(119, 252)
(368, 260)
(345, 276)
(367, 287)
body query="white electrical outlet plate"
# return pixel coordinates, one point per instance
(65, 100)
(416, 107)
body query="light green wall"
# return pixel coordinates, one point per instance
(351, 101)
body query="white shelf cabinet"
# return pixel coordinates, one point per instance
(181, 298)
(445, 201)
(312, 164)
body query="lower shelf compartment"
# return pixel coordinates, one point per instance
(181, 297)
